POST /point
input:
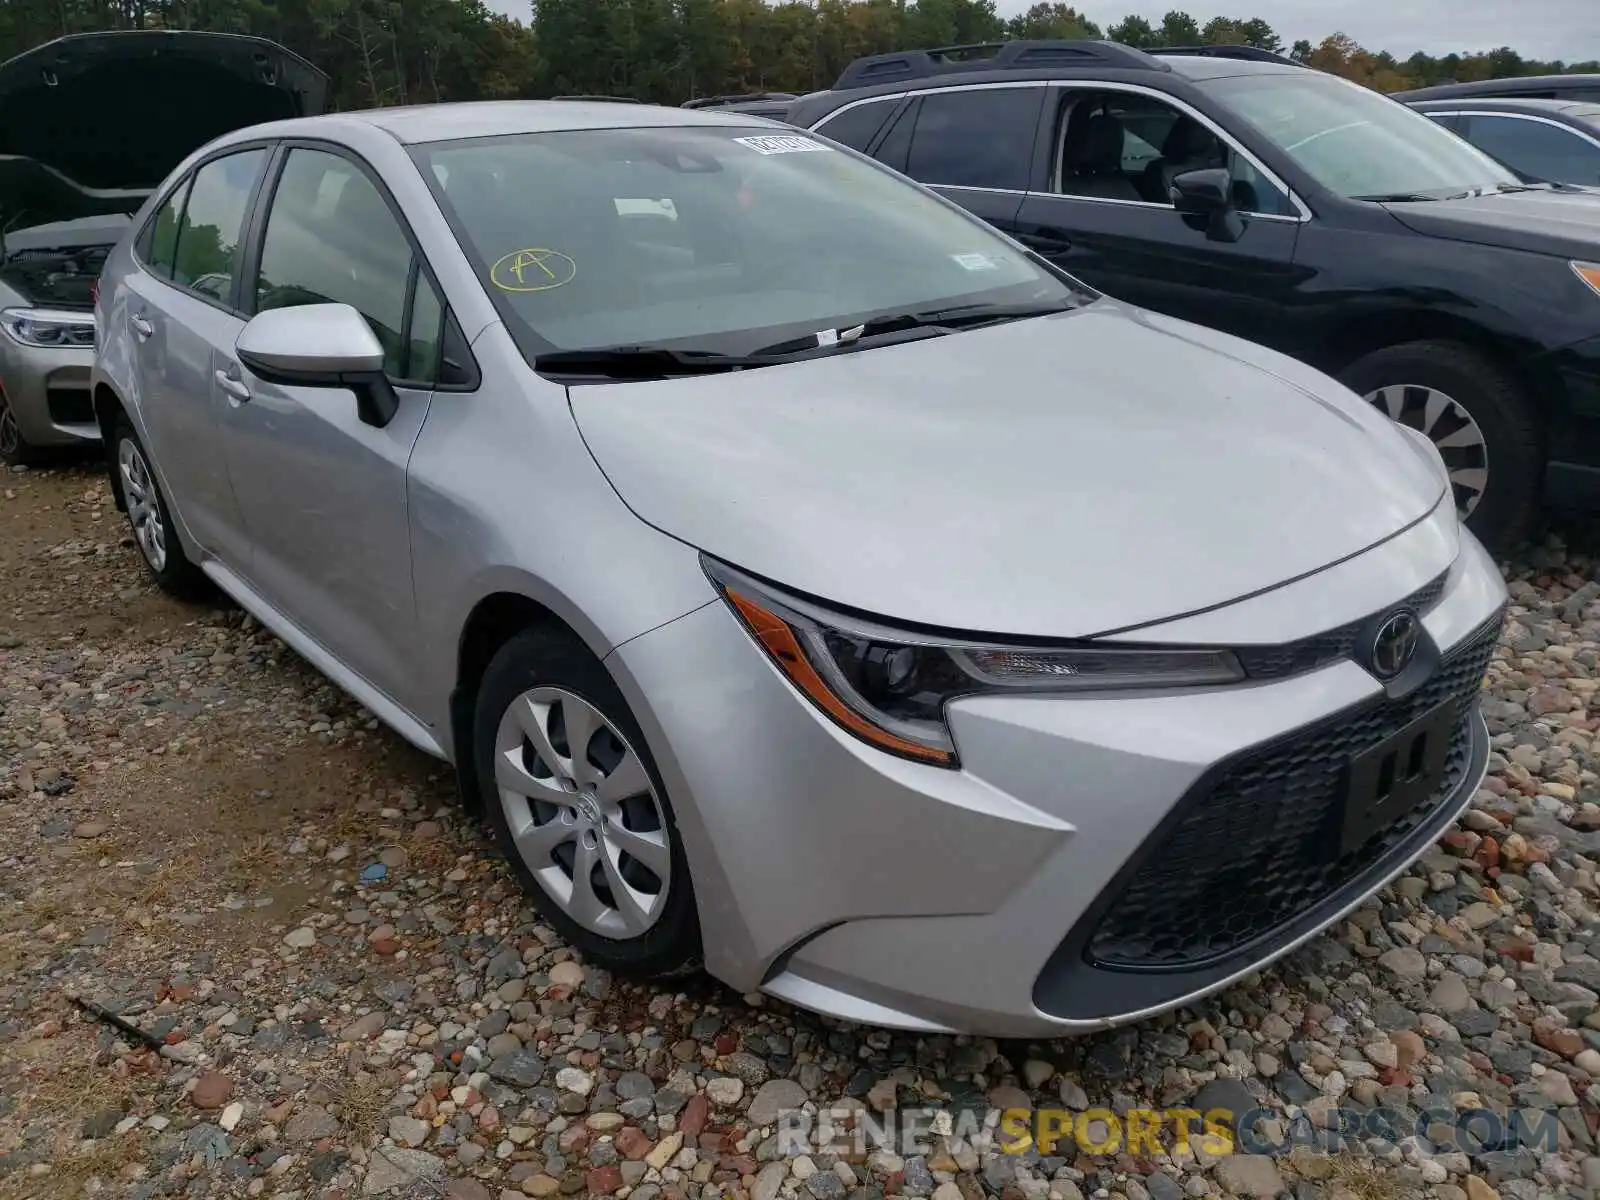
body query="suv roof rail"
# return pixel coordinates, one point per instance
(992, 56)
(747, 97)
(1247, 53)
(607, 99)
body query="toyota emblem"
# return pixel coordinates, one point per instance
(1395, 644)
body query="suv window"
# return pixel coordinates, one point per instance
(980, 137)
(332, 238)
(856, 127)
(193, 238)
(1539, 152)
(1127, 146)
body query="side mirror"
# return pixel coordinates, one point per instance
(321, 345)
(1208, 193)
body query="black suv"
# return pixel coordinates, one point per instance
(1242, 191)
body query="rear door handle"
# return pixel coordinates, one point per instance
(141, 327)
(234, 387)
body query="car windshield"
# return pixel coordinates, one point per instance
(1355, 142)
(722, 239)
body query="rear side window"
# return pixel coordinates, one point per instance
(206, 256)
(978, 138)
(856, 127)
(1538, 152)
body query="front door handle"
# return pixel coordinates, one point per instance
(235, 388)
(141, 327)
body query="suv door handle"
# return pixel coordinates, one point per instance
(235, 388)
(141, 327)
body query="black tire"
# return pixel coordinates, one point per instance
(15, 450)
(176, 576)
(1506, 415)
(548, 656)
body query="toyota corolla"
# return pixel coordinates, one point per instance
(802, 577)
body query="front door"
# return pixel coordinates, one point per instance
(1106, 215)
(323, 494)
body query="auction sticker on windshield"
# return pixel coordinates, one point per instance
(533, 269)
(781, 143)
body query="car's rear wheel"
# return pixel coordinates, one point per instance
(149, 517)
(578, 807)
(1482, 420)
(15, 450)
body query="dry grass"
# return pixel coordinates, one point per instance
(360, 1105)
(1361, 1178)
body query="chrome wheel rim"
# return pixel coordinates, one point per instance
(144, 504)
(10, 434)
(1450, 427)
(583, 813)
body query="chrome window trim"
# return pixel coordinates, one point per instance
(1303, 213)
(1514, 116)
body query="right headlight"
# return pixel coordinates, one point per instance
(890, 688)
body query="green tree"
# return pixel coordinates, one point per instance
(1045, 21)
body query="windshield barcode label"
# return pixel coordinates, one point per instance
(782, 143)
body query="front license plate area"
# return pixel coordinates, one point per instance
(1399, 773)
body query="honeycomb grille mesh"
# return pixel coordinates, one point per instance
(1251, 853)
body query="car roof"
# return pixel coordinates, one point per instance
(1195, 66)
(1507, 103)
(1507, 87)
(415, 124)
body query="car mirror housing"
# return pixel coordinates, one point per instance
(1208, 193)
(321, 345)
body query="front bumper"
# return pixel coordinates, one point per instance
(48, 391)
(979, 900)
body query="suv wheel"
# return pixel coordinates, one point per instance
(1481, 419)
(578, 807)
(15, 450)
(148, 516)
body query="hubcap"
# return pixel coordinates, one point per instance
(144, 504)
(10, 435)
(1448, 426)
(582, 812)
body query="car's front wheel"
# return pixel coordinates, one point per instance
(578, 807)
(149, 517)
(15, 450)
(1483, 421)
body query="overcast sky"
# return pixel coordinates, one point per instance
(1565, 29)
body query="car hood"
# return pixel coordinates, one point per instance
(1565, 223)
(1064, 476)
(90, 123)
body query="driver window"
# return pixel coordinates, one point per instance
(1129, 147)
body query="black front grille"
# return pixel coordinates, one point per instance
(1254, 846)
(1292, 658)
(69, 406)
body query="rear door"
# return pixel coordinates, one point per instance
(1105, 214)
(182, 309)
(972, 145)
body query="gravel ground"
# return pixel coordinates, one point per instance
(202, 835)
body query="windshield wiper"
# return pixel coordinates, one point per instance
(1405, 197)
(935, 321)
(643, 362)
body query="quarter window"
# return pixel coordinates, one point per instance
(206, 255)
(856, 127)
(332, 238)
(158, 244)
(1538, 152)
(981, 137)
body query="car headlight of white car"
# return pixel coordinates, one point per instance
(47, 328)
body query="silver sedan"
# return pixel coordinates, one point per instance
(802, 577)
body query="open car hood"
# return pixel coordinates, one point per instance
(91, 123)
